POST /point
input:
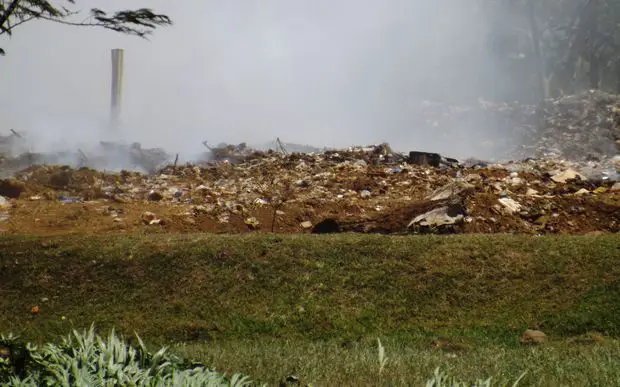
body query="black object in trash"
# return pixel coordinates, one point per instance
(424, 158)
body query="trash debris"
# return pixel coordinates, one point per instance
(563, 178)
(450, 190)
(582, 191)
(510, 205)
(5, 205)
(252, 222)
(568, 174)
(441, 216)
(531, 192)
(358, 189)
(155, 196)
(66, 200)
(424, 158)
(150, 218)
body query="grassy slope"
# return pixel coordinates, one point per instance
(566, 362)
(201, 287)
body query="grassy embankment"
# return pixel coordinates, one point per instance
(313, 306)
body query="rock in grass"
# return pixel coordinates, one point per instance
(531, 336)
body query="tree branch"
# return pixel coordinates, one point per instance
(7, 14)
(139, 22)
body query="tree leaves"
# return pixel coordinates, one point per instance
(127, 21)
(139, 22)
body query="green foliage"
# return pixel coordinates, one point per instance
(443, 379)
(86, 359)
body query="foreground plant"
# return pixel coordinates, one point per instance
(86, 359)
(442, 379)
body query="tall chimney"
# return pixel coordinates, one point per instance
(117, 86)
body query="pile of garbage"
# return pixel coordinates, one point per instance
(579, 127)
(16, 156)
(368, 189)
(582, 127)
(564, 177)
(576, 127)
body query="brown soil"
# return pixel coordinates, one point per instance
(58, 200)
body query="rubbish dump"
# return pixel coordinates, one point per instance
(561, 176)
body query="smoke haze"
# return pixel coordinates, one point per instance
(320, 72)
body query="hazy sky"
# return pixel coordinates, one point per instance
(323, 72)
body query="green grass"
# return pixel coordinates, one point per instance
(206, 287)
(85, 359)
(313, 306)
(412, 362)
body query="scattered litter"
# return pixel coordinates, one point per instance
(252, 222)
(510, 205)
(441, 216)
(450, 190)
(150, 218)
(563, 178)
(582, 191)
(568, 174)
(68, 200)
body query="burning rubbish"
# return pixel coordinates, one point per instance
(107, 155)
(360, 189)
(567, 182)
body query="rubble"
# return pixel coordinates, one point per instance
(568, 174)
(510, 205)
(566, 182)
(360, 189)
(581, 127)
(5, 206)
(14, 157)
(252, 222)
(452, 189)
(150, 218)
(439, 217)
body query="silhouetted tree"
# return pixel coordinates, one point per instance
(573, 44)
(140, 22)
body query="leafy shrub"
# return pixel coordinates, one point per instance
(86, 359)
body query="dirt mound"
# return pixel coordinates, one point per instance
(566, 182)
(364, 189)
